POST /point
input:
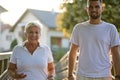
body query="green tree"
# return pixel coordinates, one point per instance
(112, 12)
(13, 44)
(74, 12)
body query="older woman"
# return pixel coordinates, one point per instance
(32, 60)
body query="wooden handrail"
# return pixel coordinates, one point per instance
(5, 55)
(62, 68)
(5, 76)
(4, 62)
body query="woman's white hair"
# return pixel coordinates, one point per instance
(32, 23)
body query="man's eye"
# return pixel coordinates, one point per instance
(97, 6)
(90, 7)
(30, 32)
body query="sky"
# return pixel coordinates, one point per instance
(17, 7)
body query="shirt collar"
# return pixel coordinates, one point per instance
(23, 44)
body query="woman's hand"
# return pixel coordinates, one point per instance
(51, 71)
(71, 77)
(19, 76)
(13, 73)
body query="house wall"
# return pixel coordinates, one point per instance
(21, 24)
(6, 39)
(65, 43)
(59, 34)
(46, 32)
(16, 32)
(54, 34)
(29, 17)
(44, 35)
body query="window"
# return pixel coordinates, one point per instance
(56, 42)
(9, 37)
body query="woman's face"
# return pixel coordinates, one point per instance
(33, 34)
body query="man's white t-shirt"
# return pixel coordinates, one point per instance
(94, 43)
(34, 66)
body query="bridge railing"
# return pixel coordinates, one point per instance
(4, 63)
(62, 68)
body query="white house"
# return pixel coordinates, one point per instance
(2, 33)
(50, 35)
(6, 38)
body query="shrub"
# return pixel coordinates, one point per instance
(59, 53)
(13, 44)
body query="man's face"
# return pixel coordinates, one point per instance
(94, 9)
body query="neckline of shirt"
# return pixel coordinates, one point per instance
(101, 22)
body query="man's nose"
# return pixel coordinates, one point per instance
(93, 9)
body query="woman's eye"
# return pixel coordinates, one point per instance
(31, 32)
(36, 32)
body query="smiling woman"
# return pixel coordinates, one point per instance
(32, 60)
(17, 7)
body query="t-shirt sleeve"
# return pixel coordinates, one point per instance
(13, 56)
(115, 40)
(74, 36)
(50, 56)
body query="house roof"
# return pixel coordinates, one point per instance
(2, 9)
(5, 26)
(48, 18)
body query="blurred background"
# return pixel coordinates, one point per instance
(57, 17)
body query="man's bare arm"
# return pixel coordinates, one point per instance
(72, 59)
(116, 59)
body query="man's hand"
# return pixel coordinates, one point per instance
(50, 77)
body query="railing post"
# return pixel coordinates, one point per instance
(0, 66)
(4, 60)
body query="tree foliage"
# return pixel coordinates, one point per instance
(13, 44)
(74, 12)
(112, 12)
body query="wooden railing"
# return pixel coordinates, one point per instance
(62, 68)
(4, 62)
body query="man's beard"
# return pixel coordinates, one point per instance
(95, 16)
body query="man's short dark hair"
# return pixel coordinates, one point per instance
(96, 0)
